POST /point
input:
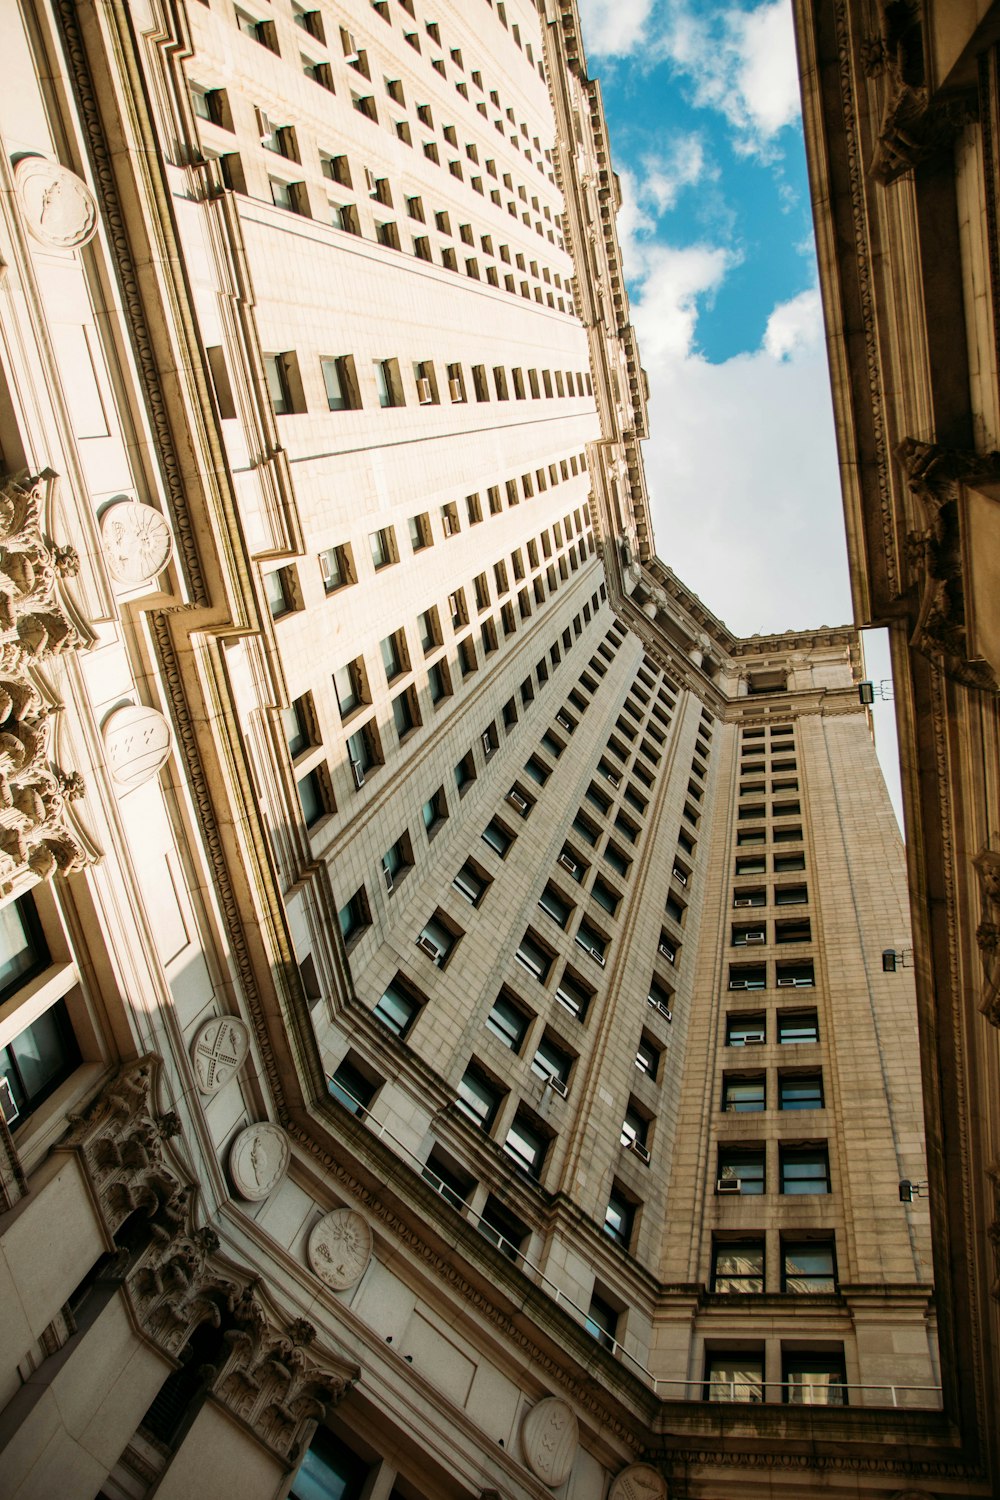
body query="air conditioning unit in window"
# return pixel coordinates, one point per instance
(562, 719)
(615, 781)
(753, 1039)
(264, 126)
(569, 864)
(358, 772)
(387, 877)
(667, 953)
(754, 937)
(516, 800)
(352, 53)
(679, 876)
(597, 957)
(742, 901)
(795, 984)
(557, 1084)
(455, 390)
(488, 745)
(371, 183)
(425, 392)
(729, 1185)
(639, 1149)
(428, 946)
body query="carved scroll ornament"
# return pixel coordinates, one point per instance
(934, 476)
(35, 627)
(269, 1377)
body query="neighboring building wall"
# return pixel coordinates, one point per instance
(338, 1123)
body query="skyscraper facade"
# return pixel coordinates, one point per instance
(459, 1024)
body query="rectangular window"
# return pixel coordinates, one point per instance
(37, 1061)
(340, 382)
(741, 1170)
(526, 1144)
(498, 836)
(814, 1379)
(398, 1006)
(382, 545)
(478, 1097)
(534, 956)
(804, 1169)
(574, 995)
(734, 1376)
(388, 383)
(355, 917)
(279, 590)
(807, 1266)
(745, 1030)
(800, 1091)
(797, 1026)
(738, 1266)
(743, 1093)
(508, 1021)
(352, 1087)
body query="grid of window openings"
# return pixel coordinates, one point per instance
(485, 200)
(426, 662)
(472, 881)
(772, 1061)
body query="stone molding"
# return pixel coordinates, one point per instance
(270, 1378)
(934, 477)
(37, 625)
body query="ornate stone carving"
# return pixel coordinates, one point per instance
(258, 1160)
(270, 1376)
(549, 1439)
(35, 627)
(218, 1051)
(137, 742)
(915, 123)
(57, 206)
(638, 1482)
(340, 1248)
(987, 867)
(136, 540)
(934, 475)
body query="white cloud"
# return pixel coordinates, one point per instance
(741, 465)
(795, 325)
(614, 28)
(740, 63)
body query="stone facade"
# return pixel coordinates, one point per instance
(447, 1040)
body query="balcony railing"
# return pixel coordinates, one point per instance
(915, 1397)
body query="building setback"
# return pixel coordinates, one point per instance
(459, 1025)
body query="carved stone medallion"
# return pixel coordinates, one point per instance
(137, 742)
(258, 1160)
(218, 1051)
(340, 1248)
(638, 1482)
(58, 207)
(549, 1437)
(137, 541)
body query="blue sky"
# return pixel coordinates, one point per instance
(703, 110)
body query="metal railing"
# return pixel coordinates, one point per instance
(737, 1391)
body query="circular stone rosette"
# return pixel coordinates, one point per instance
(58, 207)
(136, 540)
(258, 1160)
(340, 1248)
(638, 1482)
(218, 1052)
(550, 1437)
